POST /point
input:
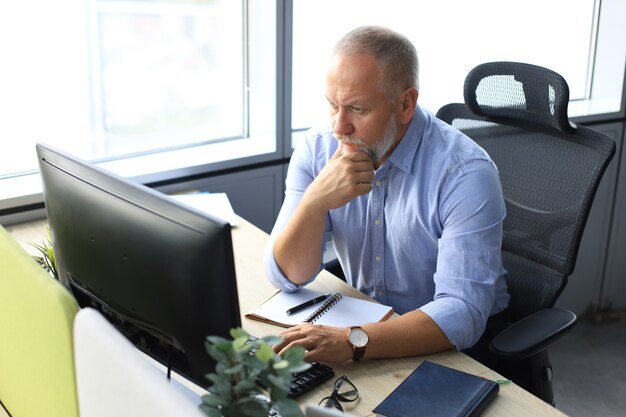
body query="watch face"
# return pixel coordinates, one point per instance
(358, 337)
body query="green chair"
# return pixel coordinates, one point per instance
(36, 354)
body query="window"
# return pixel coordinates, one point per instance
(167, 74)
(451, 37)
(161, 89)
(143, 86)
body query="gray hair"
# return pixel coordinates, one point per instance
(395, 54)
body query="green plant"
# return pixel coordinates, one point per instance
(249, 377)
(46, 258)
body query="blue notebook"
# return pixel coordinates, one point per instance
(438, 391)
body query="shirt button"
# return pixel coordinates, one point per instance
(376, 221)
(378, 183)
(377, 258)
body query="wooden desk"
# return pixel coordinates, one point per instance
(375, 379)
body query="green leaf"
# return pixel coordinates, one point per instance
(218, 341)
(272, 340)
(247, 386)
(238, 332)
(210, 411)
(216, 354)
(222, 390)
(279, 382)
(234, 369)
(255, 364)
(221, 367)
(241, 344)
(299, 367)
(265, 353)
(281, 364)
(288, 408)
(295, 354)
(218, 347)
(215, 378)
(254, 407)
(213, 400)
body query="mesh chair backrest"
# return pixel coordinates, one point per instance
(516, 91)
(550, 170)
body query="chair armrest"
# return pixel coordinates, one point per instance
(533, 334)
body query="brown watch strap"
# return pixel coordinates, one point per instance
(357, 353)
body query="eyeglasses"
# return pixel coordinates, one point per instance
(343, 391)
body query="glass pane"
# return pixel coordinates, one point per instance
(451, 37)
(103, 79)
(44, 93)
(170, 76)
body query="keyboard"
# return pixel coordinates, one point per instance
(303, 382)
(311, 378)
(308, 379)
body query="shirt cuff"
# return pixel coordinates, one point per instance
(276, 276)
(462, 328)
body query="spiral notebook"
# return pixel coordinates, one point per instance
(338, 310)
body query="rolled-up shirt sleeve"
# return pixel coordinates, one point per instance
(464, 298)
(469, 261)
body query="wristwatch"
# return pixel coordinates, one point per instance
(357, 339)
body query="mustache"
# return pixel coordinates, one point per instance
(363, 147)
(349, 140)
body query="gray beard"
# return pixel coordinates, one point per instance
(379, 150)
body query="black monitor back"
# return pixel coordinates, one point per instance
(163, 273)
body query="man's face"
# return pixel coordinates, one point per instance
(362, 117)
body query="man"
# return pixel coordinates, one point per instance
(414, 209)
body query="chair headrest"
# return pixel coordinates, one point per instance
(505, 91)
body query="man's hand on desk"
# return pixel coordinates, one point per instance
(323, 343)
(411, 334)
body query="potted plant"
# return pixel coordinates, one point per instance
(250, 378)
(46, 256)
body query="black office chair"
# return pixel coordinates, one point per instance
(550, 169)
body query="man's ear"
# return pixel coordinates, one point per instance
(408, 104)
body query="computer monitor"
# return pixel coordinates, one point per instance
(161, 272)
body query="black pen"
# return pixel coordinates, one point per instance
(300, 307)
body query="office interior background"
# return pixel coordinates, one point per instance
(212, 95)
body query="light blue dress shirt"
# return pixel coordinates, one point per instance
(429, 234)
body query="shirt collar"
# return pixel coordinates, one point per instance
(404, 154)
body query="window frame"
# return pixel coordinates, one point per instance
(609, 57)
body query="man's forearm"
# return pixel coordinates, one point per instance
(298, 247)
(413, 333)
